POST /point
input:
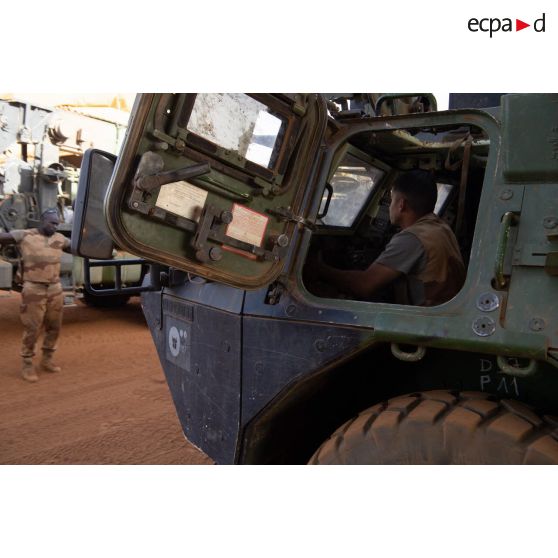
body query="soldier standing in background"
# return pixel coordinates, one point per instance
(42, 298)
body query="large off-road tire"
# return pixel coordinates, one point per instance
(439, 427)
(110, 301)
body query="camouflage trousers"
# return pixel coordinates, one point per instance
(41, 305)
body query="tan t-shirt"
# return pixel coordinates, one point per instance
(40, 254)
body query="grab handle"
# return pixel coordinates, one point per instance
(508, 221)
(512, 370)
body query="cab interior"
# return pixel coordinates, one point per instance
(352, 223)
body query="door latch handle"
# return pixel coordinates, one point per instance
(150, 182)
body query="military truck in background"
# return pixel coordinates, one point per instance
(41, 150)
(230, 195)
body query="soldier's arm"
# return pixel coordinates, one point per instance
(362, 284)
(6, 238)
(67, 246)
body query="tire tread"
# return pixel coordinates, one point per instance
(443, 427)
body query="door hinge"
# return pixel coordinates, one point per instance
(273, 295)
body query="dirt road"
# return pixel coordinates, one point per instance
(109, 405)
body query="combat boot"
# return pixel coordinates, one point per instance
(28, 372)
(47, 364)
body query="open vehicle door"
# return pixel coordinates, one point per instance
(212, 184)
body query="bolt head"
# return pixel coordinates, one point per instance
(487, 302)
(215, 254)
(226, 217)
(537, 324)
(484, 326)
(282, 240)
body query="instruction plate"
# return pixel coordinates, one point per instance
(247, 225)
(182, 198)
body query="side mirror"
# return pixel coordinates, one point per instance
(90, 234)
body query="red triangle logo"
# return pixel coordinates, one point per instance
(519, 25)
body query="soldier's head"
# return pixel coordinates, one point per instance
(49, 222)
(413, 195)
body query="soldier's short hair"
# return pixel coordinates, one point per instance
(47, 212)
(419, 189)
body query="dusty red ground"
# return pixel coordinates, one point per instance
(109, 405)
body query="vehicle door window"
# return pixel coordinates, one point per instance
(444, 190)
(352, 183)
(238, 123)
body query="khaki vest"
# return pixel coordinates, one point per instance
(444, 272)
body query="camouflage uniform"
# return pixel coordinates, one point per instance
(42, 297)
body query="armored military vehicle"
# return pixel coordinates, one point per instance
(41, 149)
(230, 195)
